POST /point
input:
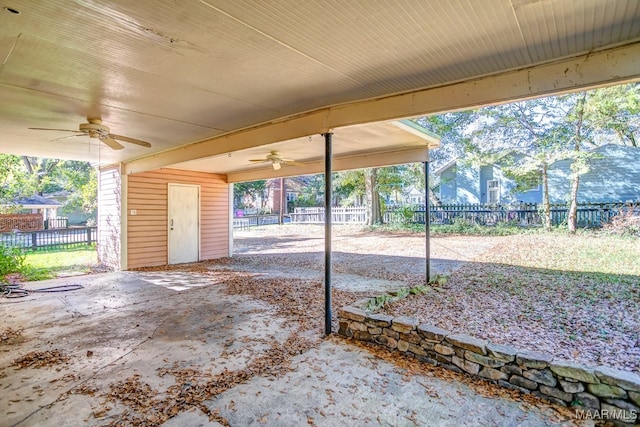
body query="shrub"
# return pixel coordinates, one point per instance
(11, 261)
(626, 222)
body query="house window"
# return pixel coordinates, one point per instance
(493, 191)
(291, 196)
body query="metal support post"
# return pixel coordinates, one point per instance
(427, 221)
(327, 231)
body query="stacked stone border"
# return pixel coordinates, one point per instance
(596, 392)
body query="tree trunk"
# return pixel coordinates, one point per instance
(573, 207)
(374, 213)
(283, 201)
(545, 195)
(575, 167)
(433, 199)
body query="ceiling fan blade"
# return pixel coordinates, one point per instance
(260, 160)
(70, 136)
(130, 140)
(111, 143)
(61, 130)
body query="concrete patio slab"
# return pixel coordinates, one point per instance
(131, 338)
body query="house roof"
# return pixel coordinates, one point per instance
(34, 202)
(204, 78)
(446, 166)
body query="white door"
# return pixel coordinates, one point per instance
(183, 223)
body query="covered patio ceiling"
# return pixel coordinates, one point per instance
(199, 79)
(357, 146)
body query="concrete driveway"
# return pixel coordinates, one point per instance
(176, 348)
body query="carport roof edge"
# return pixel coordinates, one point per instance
(579, 72)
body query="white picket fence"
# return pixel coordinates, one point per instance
(349, 215)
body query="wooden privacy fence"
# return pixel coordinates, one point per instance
(526, 214)
(50, 239)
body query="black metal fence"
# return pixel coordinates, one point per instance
(50, 239)
(591, 215)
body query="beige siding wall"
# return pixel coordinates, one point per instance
(147, 230)
(109, 198)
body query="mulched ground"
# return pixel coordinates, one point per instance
(557, 293)
(584, 316)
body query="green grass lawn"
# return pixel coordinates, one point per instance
(49, 264)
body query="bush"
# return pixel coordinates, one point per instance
(11, 261)
(625, 223)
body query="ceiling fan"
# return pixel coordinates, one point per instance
(95, 129)
(277, 161)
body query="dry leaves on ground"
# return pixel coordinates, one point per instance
(299, 301)
(10, 334)
(588, 317)
(40, 359)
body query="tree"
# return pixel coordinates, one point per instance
(42, 173)
(14, 181)
(350, 187)
(525, 137)
(542, 131)
(455, 131)
(615, 111)
(23, 176)
(372, 190)
(252, 190)
(579, 165)
(80, 179)
(597, 117)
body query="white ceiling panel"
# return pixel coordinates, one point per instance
(178, 72)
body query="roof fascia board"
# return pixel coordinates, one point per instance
(614, 65)
(339, 163)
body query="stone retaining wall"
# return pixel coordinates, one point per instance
(596, 392)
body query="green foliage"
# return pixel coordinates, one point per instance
(438, 280)
(11, 261)
(251, 190)
(459, 227)
(454, 131)
(381, 301)
(615, 110)
(15, 182)
(406, 213)
(311, 194)
(80, 179)
(23, 176)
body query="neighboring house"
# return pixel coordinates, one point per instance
(36, 204)
(75, 216)
(28, 213)
(413, 196)
(614, 176)
(293, 190)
